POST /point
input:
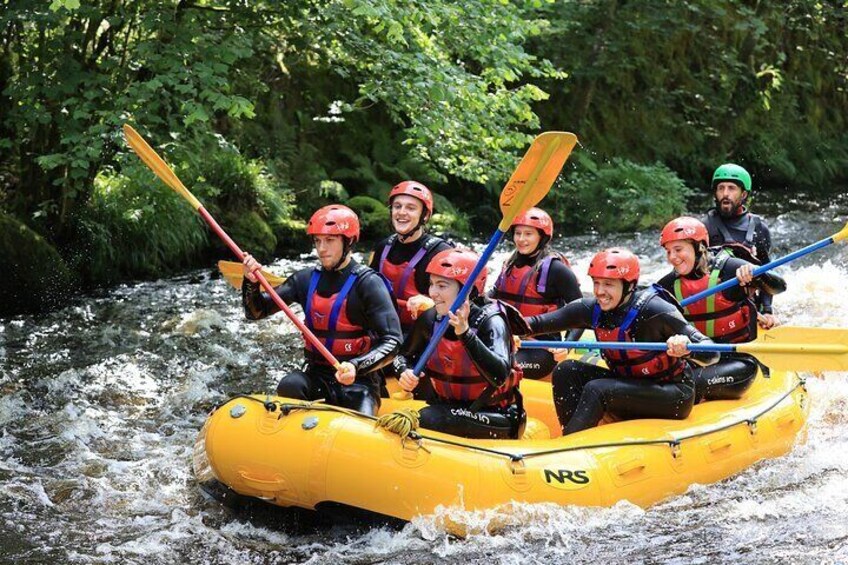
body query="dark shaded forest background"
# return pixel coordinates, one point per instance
(267, 110)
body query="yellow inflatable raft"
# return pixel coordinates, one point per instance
(292, 453)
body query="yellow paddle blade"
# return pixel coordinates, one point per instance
(535, 174)
(157, 165)
(793, 348)
(842, 234)
(234, 275)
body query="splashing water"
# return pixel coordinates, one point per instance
(101, 403)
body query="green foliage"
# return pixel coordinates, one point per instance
(695, 84)
(447, 218)
(34, 275)
(135, 226)
(373, 216)
(252, 233)
(620, 196)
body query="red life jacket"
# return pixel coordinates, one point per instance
(715, 316)
(455, 377)
(327, 318)
(513, 287)
(637, 363)
(402, 277)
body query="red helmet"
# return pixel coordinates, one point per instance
(536, 218)
(457, 264)
(683, 228)
(416, 190)
(615, 263)
(334, 219)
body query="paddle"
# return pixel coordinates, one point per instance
(784, 348)
(234, 274)
(164, 172)
(529, 183)
(842, 234)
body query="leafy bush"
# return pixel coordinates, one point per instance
(617, 197)
(373, 216)
(135, 226)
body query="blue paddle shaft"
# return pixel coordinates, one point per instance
(759, 270)
(644, 346)
(442, 326)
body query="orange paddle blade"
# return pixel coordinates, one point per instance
(535, 174)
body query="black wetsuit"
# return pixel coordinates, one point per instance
(369, 305)
(584, 392)
(751, 231)
(489, 344)
(735, 372)
(561, 288)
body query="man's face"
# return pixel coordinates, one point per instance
(406, 213)
(729, 198)
(329, 248)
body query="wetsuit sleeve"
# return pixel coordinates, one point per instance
(382, 320)
(563, 283)
(764, 242)
(769, 283)
(660, 320)
(258, 304)
(489, 348)
(416, 341)
(577, 314)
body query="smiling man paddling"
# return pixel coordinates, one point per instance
(638, 383)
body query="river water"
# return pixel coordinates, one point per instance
(100, 404)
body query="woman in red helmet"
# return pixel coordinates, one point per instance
(535, 279)
(403, 256)
(729, 316)
(637, 384)
(473, 370)
(346, 305)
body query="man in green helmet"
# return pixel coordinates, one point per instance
(732, 226)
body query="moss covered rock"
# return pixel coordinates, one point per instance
(251, 233)
(373, 216)
(34, 276)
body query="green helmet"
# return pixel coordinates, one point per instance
(733, 173)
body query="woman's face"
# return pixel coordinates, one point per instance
(443, 291)
(680, 255)
(526, 239)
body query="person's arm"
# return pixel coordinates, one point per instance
(489, 348)
(664, 320)
(763, 242)
(258, 304)
(562, 283)
(381, 318)
(577, 314)
(415, 342)
(768, 283)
